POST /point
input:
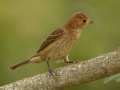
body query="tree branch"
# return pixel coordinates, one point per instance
(83, 72)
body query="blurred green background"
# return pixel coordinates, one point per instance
(24, 24)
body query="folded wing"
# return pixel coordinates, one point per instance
(51, 39)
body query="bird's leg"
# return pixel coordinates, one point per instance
(49, 68)
(67, 60)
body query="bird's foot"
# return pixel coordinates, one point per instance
(52, 72)
(71, 62)
(68, 61)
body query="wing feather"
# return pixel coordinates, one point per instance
(51, 39)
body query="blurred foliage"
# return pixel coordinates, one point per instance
(24, 24)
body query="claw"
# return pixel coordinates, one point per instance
(52, 72)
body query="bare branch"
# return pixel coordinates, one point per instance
(83, 72)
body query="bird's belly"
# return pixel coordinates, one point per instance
(59, 49)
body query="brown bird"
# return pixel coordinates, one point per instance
(59, 43)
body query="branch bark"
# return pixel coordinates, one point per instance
(79, 73)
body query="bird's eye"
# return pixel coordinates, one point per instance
(84, 20)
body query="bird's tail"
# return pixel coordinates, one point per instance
(19, 64)
(34, 59)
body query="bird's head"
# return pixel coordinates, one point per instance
(78, 20)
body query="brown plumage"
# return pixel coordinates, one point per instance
(59, 43)
(51, 38)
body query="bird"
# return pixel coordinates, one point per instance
(59, 43)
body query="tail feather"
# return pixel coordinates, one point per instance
(33, 59)
(19, 64)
